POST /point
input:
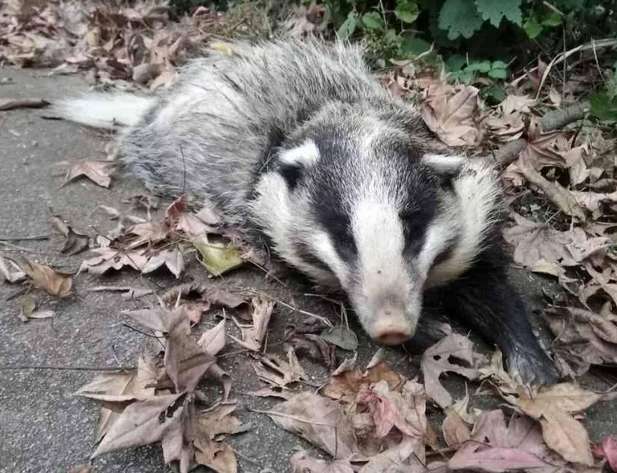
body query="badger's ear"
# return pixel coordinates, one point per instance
(294, 161)
(445, 166)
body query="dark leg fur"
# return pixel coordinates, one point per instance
(485, 300)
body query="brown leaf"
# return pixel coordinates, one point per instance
(302, 462)
(142, 423)
(567, 397)
(53, 282)
(495, 447)
(253, 335)
(449, 112)
(277, 372)
(98, 172)
(172, 259)
(346, 385)
(11, 104)
(111, 258)
(318, 420)
(400, 458)
(218, 422)
(218, 456)
(185, 361)
(436, 361)
(80, 469)
(389, 409)
(455, 431)
(213, 341)
(566, 436)
(10, 271)
(148, 233)
(75, 242)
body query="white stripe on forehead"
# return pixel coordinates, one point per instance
(307, 153)
(378, 235)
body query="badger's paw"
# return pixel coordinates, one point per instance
(532, 367)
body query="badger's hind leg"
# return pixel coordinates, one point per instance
(485, 300)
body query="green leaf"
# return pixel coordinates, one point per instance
(412, 47)
(552, 19)
(348, 27)
(495, 10)
(459, 18)
(532, 27)
(602, 107)
(499, 70)
(407, 11)
(480, 66)
(456, 62)
(217, 257)
(493, 94)
(372, 21)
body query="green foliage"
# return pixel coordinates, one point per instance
(604, 102)
(495, 11)
(459, 18)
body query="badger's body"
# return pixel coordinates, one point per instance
(299, 142)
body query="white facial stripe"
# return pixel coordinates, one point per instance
(306, 154)
(439, 235)
(325, 251)
(378, 234)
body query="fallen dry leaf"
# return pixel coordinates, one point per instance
(277, 372)
(449, 111)
(496, 447)
(302, 462)
(436, 361)
(213, 341)
(400, 458)
(607, 449)
(74, 242)
(320, 421)
(455, 431)
(253, 335)
(10, 271)
(172, 259)
(347, 384)
(53, 282)
(98, 172)
(112, 258)
(218, 456)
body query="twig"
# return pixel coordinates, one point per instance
(603, 43)
(25, 238)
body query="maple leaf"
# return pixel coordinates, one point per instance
(277, 372)
(51, 281)
(172, 259)
(320, 421)
(185, 361)
(347, 384)
(253, 335)
(111, 258)
(218, 456)
(74, 242)
(496, 447)
(98, 172)
(390, 409)
(400, 458)
(436, 361)
(449, 112)
(455, 431)
(213, 341)
(217, 258)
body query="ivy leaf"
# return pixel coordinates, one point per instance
(407, 11)
(459, 18)
(602, 107)
(532, 27)
(348, 27)
(373, 21)
(495, 10)
(499, 70)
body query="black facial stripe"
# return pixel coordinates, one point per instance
(291, 173)
(304, 252)
(446, 253)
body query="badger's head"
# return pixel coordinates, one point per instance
(352, 201)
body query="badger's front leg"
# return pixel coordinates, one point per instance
(484, 299)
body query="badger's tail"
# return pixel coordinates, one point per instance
(104, 110)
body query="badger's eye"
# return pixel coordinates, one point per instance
(292, 173)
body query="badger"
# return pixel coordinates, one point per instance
(297, 142)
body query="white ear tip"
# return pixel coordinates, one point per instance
(444, 164)
(305, 154)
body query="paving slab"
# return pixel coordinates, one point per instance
(43, 427)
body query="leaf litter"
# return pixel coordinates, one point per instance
(370, 420)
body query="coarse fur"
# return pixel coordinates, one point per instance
(296, 142)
